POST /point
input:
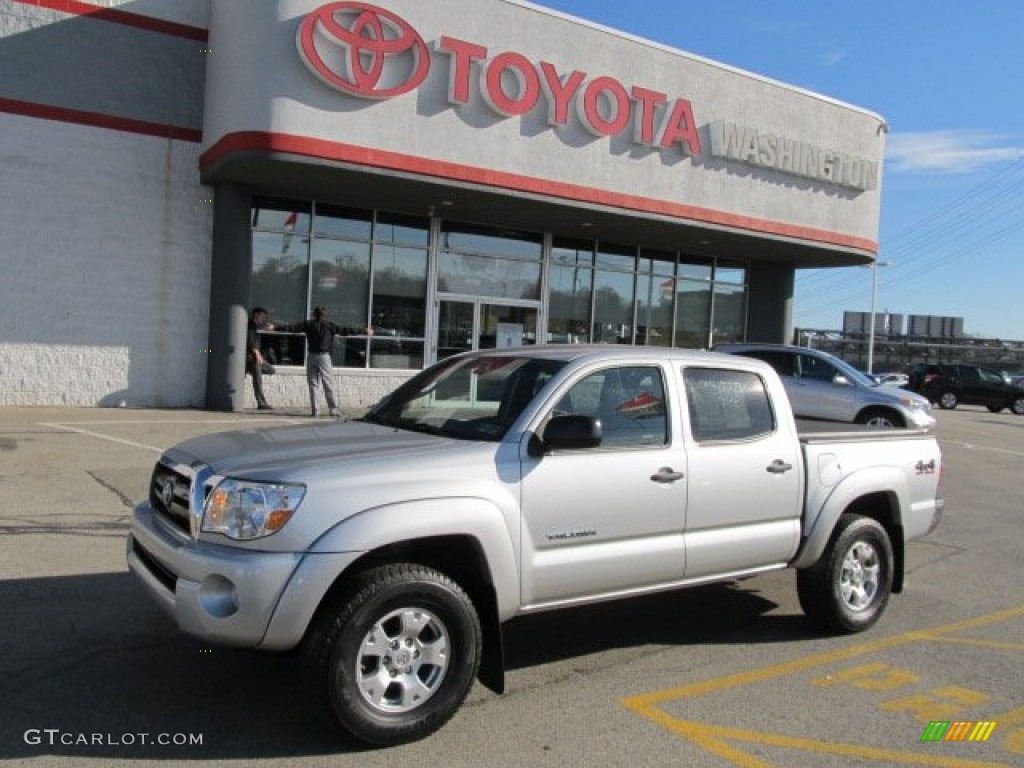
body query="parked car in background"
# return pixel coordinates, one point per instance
(892, 379)
(821, 386)
(951, 385)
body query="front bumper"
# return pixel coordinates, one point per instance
(222, 594)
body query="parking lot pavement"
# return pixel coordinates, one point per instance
(723, 675)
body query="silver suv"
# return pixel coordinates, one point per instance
(821, 386)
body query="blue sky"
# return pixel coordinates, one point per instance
(948, 77)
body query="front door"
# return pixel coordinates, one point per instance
(468, 324)
(608, 519)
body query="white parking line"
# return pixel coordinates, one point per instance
(68, 426)
(989, 448)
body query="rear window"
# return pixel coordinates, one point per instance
(782, 362)
(727, 405)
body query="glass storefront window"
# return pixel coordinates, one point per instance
(613, 307)
(294, 272)
(690, 270)
(348, 223)
(470, 239)
(730, 305)
(572, 252)
(402, 230)
(370, 269)
(280, 265)
(693, 310)
(733, 274)
(281, 215)
(487, 276)
(341, 281)
(654, 295)
(616, 257)
(570, 295)
(399, 307)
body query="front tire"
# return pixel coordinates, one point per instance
(948, 400)
(393, 657)
(848, 588)
(880, 419)
(1017, 406)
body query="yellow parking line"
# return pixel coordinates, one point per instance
(715, 738)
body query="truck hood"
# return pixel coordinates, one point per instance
(274, 453)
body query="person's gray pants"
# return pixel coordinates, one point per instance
(320, 372)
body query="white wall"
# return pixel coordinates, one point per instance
(104, 252)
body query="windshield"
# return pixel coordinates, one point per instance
(469, 398)
(852, 373)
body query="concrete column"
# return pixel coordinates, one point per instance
(230, 291)
(770, 306)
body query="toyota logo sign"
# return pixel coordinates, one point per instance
(363, 50)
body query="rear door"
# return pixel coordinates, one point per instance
(745, 475)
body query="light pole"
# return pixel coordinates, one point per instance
(871, 323)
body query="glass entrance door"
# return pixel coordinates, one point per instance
(466, 324)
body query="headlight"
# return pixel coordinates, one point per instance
(243, 510)
(917, 405)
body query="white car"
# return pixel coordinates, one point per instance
(892, 379)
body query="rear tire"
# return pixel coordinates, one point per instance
(948, 400)
(848, 588)
(1017, 406)
(393, 657)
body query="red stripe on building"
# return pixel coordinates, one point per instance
(126, 18)
(99, 120)
(259, 141)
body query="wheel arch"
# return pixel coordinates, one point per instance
(461, 557)
(863, 416)
(858, 494)
(464, 538)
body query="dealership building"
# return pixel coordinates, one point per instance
(442, 175)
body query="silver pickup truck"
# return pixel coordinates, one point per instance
(391, 549)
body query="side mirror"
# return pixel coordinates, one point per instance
(840, 381)
(572, 431)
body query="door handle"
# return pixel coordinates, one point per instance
(778, 467)
(667, 475)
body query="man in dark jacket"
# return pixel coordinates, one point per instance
(320, 333)
(254, 355)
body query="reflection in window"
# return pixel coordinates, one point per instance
(613, 307)
(727, 405)
(655, 291)
(693, 314)
(280, 264)
(629, 402)
(488, 276)
(569, 305)
(281, 215)
(730, 311)
(292, 273)
(341, 280)
(399, 308)
(348, 223)
(470, 239)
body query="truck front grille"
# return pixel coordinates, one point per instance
(170, 491)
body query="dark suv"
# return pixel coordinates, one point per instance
(950, 385)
